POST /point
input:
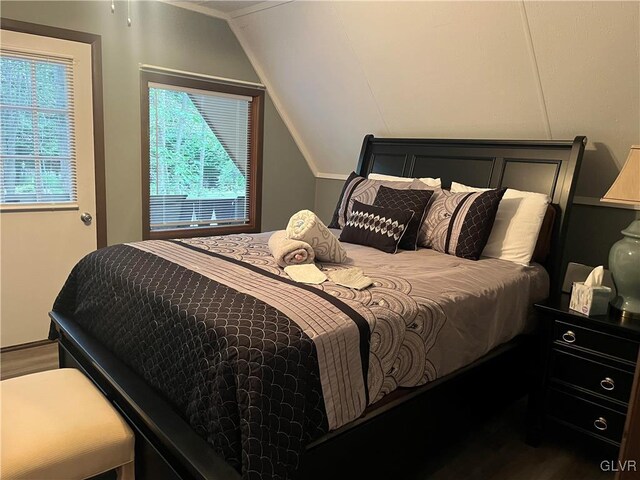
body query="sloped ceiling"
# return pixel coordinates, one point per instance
(340, 70)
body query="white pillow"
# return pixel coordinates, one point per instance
(517, 225)
(431, 182)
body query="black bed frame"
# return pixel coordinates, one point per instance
(168, 448)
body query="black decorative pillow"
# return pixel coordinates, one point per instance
(364, 190)
(460, 223)
(414, 200)
(377, 227)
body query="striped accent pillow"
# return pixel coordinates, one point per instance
(460, 223)
(364, 190)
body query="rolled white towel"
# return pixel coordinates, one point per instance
(288, 251)
(307, 227)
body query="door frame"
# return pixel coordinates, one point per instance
(95, 41)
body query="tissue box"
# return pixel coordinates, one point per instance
(589, 300)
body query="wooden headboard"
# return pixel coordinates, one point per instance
(544, 166)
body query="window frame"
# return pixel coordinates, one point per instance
(255, 157)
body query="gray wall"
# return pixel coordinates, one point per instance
(327, 194)
(170, 37)
(592, 229)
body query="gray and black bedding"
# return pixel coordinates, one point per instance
(260, 365)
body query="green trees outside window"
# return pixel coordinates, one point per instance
(37, 154)
(186, 157)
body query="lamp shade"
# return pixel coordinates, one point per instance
(626, 188)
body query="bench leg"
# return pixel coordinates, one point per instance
(126, 472)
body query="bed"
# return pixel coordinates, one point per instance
(430, 324)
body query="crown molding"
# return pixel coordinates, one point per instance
(257, 8)
(228, 16)
(195, 7)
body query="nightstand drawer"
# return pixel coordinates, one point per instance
(594, 376)
(587, 416)
(574, 336)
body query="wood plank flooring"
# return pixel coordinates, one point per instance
(494, 450)
(28, 360)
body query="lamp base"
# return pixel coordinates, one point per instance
(624, 263)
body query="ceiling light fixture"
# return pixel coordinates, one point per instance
(113, 9)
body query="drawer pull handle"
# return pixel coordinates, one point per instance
(569, 336)
(600, 424)
(607, 383)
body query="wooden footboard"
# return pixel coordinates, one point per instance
(168, 448)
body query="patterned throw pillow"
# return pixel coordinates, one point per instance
(414, 200)
(377, 227)
(460, 223)
(364, 190)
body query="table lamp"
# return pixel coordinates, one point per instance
(624, 257)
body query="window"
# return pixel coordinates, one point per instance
(37, 145)
(202, 156)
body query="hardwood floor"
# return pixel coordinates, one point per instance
(28, 360)
(494, 450)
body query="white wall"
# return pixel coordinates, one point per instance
(339, 70)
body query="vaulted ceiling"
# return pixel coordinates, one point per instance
(339, 70)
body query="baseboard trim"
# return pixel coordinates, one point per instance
(22, 346)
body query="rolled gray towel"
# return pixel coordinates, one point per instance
(288, 251)
(307, 227)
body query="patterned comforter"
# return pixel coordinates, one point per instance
(260, 365)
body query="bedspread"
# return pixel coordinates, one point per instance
(260, 365)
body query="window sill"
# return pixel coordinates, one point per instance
(200, 232)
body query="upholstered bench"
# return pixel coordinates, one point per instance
(57, 425)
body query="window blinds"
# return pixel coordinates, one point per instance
(198, 158)
(37, 142)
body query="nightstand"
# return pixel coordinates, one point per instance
(583, 376)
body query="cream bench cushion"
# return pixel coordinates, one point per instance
(57, 425)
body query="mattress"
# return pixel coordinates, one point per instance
(259, 365)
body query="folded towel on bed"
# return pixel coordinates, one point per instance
(307, 227)
(288, 251)
(350, 277)
(305, 273)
